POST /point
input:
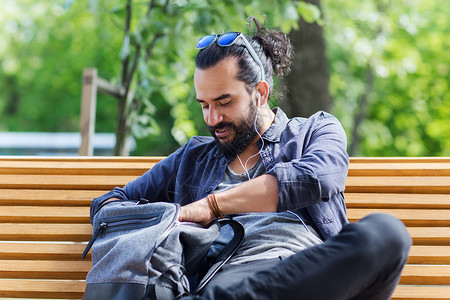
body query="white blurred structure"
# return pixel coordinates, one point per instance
(55, 143)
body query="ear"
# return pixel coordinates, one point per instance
(262, 88)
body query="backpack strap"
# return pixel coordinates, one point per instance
(226, 253)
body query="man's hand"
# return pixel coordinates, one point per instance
(197, 212)
(256, 195)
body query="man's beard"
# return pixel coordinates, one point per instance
(244, 133)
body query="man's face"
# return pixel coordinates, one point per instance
(227, 107)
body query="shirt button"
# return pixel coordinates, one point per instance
(208, 190)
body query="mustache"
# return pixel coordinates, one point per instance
(221, 125)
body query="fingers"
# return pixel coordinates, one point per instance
(197, 212)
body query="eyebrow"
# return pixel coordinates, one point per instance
(217, 98)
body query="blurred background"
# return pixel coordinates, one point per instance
(381, 66)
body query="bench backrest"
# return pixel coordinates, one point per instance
(44, 218)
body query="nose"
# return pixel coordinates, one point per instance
(213, 116)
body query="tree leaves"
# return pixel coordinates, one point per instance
(310, 12)
(405, 45)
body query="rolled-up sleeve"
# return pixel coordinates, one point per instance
(315, 163)
(154, 185)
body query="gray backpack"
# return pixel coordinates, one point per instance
(142, 251)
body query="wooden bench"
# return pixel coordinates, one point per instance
(44, 218)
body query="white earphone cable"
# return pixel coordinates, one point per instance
(260, 137)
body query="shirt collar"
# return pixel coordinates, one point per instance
(273, 134)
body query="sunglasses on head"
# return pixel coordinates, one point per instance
(228, 39)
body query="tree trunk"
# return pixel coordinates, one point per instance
(306, 87)
(362, 112)
(12, 95)
(122, 128)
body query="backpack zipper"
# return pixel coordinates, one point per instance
(123, 222)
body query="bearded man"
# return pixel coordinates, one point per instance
(282, 178)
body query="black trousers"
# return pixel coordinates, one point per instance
(364, 261)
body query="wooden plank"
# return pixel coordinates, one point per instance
(423, 185)
(88, 111)
(74, 289)
(42, 251)
(63, 182)
(145, 159)
(19, 288)
(410, 292)
(353, 160)
(429, 255)
(437, 236)
(72, 251)
(432, 236)
(426, 274)
(399, 169)
(32, 197)
(399, 160)
(411, 217)
(383, 200)
(45, 232)
(39, 214)
(74, 168)
(400, 184)
(44, 269)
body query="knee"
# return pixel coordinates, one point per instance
(381, 237)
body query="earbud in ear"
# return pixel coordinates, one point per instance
(259, 99)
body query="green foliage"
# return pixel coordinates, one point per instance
(45, 45)
(43, 51)
(406, 44)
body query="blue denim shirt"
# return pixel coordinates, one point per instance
(307, 156)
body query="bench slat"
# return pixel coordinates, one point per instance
(401, 184)
(138, 168)
(399, 160)
(41, 269)
(73, 289)
(383, 200)
(58, 251)
(426, 274)
(19, 288)
(429, 255)
(411, 217)
(42, 251)
(422, 185)
(39, 214)
(45, 232)
(74, 168)
(399, 169)
(408, 292)
(44, 269)
(33, 197)
(63, 182)
(438, 236)
(90, 159)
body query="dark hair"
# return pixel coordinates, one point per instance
(273, 48)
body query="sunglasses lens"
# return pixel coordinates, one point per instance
(227, 39)
(205, 41)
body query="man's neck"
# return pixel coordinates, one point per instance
(267, 117)
(249, 157)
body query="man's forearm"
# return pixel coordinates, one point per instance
(257, 195)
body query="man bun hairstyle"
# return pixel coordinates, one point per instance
(273, 48)
(276, 45)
